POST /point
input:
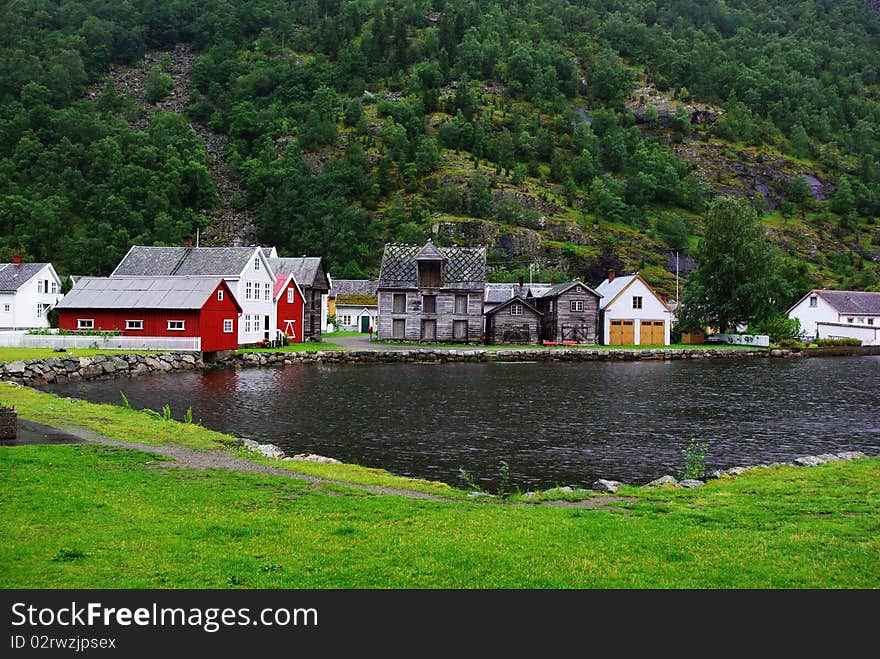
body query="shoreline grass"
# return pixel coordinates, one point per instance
(19, 354)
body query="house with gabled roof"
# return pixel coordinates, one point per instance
(313, 281)
(430, 293)
(839, 314)
(631, 313)
(570, 312)
(356, 304)
(245, 269)
(27, 292)
(290, 307)
(515, 320)
(155, 307)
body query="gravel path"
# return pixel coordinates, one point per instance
(217, 459)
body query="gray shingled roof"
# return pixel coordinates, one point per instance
(497, 293)
(558, 289)
(852, 302)
(140, 293)
(354, 287)
(515, 298)
(303, 268)
(465, 267)
(13, 276)
(195, 261)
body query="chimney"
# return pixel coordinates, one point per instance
(522, 282)
(611, 275)
(188, 242)
(236, 242)
(16, 259)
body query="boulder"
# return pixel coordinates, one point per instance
(15, 367)
(691, 482)
(663, 480)
(311, 457)
(809, 461)
(270, 450)
(604, 485)
(851, 455)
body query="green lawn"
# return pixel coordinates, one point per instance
(15, 354)
(332, 335)
(96, 517)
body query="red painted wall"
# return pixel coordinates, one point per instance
(207, 323)
(291, 311)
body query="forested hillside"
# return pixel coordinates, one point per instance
(569, 135)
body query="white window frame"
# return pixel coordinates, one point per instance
(40, 286)
(267, 292)
(54, 286)
(290, 297)
(248, 290)
(130, 324)
(576, 305)
(516, 310)
(220, 295)
(182, 327)
(228, 326)
(814, 301)
(247, 323)
(7, 307)
(256, 264)
(85, 323)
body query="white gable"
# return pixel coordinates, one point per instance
(617, 298)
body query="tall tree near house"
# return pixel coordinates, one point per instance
(736, 281)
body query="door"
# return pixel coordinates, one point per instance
(365, 324)
(651, 333)
(398, 328)
(622, 333)
(266, 328)
(429, 330)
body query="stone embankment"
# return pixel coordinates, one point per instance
(66, 369)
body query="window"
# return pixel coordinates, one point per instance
(399, 303)
(267, 292)
(429, 330)
(247, 323)
(220, 295)
(460, 330)
(227, 325)
(39, 286)
(861, 320)
(346, 320)
(814, 300)
(134, 324)
(429, 274)
(849, 320)
(256, 263)
(54, 287)
(289, 296)
(516, 310)
(39, 310)
(85, 323)
(398, 328)
(248, 291)
(429, 304)
(176, 325)
(870, 321)
(6, 307)
(550, 306)
(637, 301)
(577, 305)
(461, 303)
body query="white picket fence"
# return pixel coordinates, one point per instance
(17, 339)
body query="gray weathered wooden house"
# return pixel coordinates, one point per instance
(570, 313)
(431, 294)
(513, 321)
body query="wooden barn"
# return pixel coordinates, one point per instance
(513, 321)
(174, 306)
(290, 305)
(570, 313)
(314, 284)
(428, 293)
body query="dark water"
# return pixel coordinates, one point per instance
(555, 424)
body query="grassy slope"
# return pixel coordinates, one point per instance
(89, 516)
(13, 354)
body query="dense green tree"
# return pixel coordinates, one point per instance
(479, 197)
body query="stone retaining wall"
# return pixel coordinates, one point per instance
(65, 369)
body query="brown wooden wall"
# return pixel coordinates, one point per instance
(502, 327)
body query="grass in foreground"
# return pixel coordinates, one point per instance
(89, 516)
(15, 354)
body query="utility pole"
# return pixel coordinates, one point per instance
(531, 268)
(676, 280)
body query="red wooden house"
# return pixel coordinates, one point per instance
(177, 306)
(290, 301)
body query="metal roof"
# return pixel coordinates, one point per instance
(609, 289)
(192, 261)
(465, 267)
(12, 276)
(304, 268)
(852, 302)
(141, 293)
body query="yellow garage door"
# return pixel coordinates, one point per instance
(622, 333)
(651, 333)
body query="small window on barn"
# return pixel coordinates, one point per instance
(461, 303)
(134, 324)
(290, 296)
(227, 325)
(220, 295)
(577, 305)
(814, 300)
(256, 263)
(399, 303)
(637, 301)
(516, 310)
(460, 330)
(85, 323)
(176, 325)
(429, 274)
(429, 304)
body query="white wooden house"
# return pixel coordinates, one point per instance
(27, 292)
(631, 313)
(827, 314)
(245, 269)
(356, 304)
